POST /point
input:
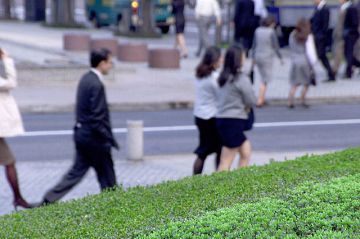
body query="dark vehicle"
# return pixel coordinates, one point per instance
(113, 12)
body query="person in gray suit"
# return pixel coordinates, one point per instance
(301, 70)
(92, 131)
(265, 47)
(205, 10)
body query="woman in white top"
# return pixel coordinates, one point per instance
(205, 108)
(10, 125)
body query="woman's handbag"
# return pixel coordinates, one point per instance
(249, 122)
(312, 79)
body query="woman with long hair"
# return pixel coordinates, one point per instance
(205, 108)
(301, 71)
(236, 98)
(178, 11)
(10, 125)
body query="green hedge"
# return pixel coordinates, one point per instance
(140, 210)
(330, 210)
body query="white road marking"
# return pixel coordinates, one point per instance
(192, 127)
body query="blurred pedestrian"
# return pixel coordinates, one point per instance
(205, 108)
(92, 131)
(301, 72)
(265, 47)
(357, 45)
(338, 45)
(178, 11)
(245, 23)
(236, 98)
(10, 125)
(351, 35)
(205, 10)
(320, 27)
(260, 10)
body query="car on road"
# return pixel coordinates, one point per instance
(117, 12)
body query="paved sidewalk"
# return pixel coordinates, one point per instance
(48, 75)
(37, 177)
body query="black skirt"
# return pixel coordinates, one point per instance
(231, 131)
(179, 23)
(209, 141)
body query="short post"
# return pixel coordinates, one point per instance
(135, 140)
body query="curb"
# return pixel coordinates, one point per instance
(171, 105)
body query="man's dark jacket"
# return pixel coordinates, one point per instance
(320, 22)
(93, 126)
(351, 22)
(244, 15)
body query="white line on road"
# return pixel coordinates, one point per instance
(192, 127)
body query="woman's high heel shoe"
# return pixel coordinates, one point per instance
(22, 203)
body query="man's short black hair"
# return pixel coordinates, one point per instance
(97, 56)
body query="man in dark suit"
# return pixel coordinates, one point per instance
(351, 35)
(320, 27)
(92, 131)
(245, 23)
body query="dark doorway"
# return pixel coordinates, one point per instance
(35, 10)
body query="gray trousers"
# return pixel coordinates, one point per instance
(338, 52)
(204, 24)
(98, 158)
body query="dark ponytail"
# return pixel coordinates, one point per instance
(206, 66)
(232, 65)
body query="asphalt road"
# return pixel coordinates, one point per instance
(322, 127)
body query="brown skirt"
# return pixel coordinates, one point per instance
(6, 157)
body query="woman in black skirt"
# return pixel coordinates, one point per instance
(178, 11)
(205, 108)
(236, 98)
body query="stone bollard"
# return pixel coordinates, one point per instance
(164, 58)
(111, 44)
(133, 52)
(76, 42)
(135, 140)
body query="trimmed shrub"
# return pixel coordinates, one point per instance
(330, 210)
(142, 210)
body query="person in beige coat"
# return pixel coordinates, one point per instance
(10, 125)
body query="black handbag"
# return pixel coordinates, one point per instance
(312, 79)
(249, 122)
(251, 75)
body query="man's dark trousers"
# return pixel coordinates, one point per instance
(319, 27)
(97, 157)
(351, 35)
(349, 54)
(321, 51)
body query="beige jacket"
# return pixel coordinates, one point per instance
(10, 118)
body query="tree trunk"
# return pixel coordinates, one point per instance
(7, 9)
(148, 17)
(63, 12)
